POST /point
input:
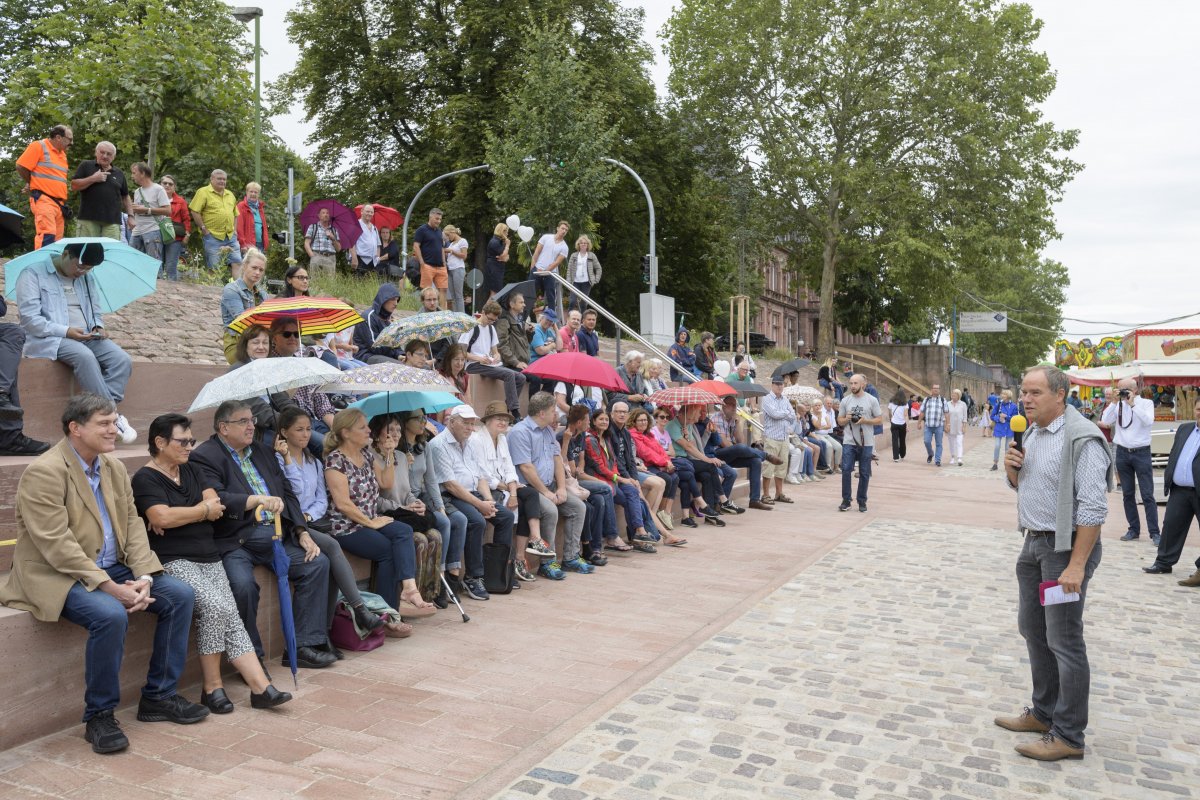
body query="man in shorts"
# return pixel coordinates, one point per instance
(429, 250)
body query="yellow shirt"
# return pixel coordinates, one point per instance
(217, 211)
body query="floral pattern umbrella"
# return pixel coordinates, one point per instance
(388, 378)
(317, 315)
(678, 396)
(428, 327)
(806, 394)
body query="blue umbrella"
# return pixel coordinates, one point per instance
(125, 274)
(395, 402)
(280, 564)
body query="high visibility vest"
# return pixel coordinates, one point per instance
(50, 174)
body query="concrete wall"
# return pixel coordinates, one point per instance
(930, 364)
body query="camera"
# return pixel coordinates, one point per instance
(1123, 394)
(855, 416)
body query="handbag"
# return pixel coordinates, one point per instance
(573, 487)
(166, 228)
(322, 525)
(345, 635)
(498, 571)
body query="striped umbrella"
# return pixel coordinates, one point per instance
(677, 396)
(317, 315)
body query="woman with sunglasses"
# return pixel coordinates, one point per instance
(178, 508)
(691, 494)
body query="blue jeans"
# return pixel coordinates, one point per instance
(856, 455)
(392, 549)
(310, 580)
(605, 520)
(107, 621)
(933, 432)
(627, 497)
(212, 250)
(689, 487)
(741, 456)
(100, 366)
(1054, 636)
(1131, 463)
(547, 286)
(453, 527)
(171, 254)
(502, 531)
(1002, 443)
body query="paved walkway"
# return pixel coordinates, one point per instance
(793, 654)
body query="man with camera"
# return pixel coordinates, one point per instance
(1130, 419)
(858, 414)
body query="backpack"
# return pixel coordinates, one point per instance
(412, 271)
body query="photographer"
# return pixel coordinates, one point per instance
(1130, 419)
(859, 414)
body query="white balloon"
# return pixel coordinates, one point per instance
(513, 222)
(525, 232)
(721, 367)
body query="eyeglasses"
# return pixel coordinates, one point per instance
(290, 334)
(184, 442)
(661, 416)
(300, 277)
(244, 421)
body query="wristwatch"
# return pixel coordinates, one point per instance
(147, 578)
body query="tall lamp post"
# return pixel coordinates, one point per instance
(245, 14)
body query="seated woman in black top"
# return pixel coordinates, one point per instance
(178, 509)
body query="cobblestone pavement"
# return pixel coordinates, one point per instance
(876, 672)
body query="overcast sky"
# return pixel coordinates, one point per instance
(1127, 79)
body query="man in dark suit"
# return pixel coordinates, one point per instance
(1182, 485)
(247, 475)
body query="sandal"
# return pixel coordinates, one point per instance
(674, 541)
(644, 547)
(782, 498)
(618, 545)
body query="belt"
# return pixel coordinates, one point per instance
(1036, 534)
(1133, 449)
(324, 252)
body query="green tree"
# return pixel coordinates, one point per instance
(911, 129)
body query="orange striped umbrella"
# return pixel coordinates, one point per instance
(317, 315)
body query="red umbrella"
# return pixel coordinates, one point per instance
(678, 396)
(385, 216)
(719, 388)
(578, 368)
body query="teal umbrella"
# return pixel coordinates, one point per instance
(125, 274)
(395, 402)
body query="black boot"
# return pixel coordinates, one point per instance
(367, 620)
(9, 409)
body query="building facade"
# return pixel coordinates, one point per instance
(788, 311)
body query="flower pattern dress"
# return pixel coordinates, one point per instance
(364, 489)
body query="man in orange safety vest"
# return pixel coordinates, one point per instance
(43, 167)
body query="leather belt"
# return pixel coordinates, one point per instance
(1029, 532)
(1133, 449)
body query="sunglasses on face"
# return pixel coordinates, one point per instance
(290, 334)
(661, 416)
(184, 442)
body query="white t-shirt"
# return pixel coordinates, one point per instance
(579, 262)
(899, 413)
(456, 253)
(484, 342)
(152, 196)
(551, 250)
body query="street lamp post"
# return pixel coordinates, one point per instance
(245, 14)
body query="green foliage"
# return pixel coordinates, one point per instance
(904, 138)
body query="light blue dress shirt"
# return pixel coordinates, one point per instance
(108, 554)
(1183, 468)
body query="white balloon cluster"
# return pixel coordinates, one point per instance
(523, 231)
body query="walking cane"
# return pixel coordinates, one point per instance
(453, 596)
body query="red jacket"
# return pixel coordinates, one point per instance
(649, 450)
(245, 225)
(599, 459)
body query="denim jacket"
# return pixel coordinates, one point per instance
(236, 297)
(43, 307)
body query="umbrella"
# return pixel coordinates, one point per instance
(124, 275)
(806, 394)
(10, 227)
(385, 216)
(794, 365)
(749, 388)
(317, 315)
(342, 218)
(683, 396)
(579, 369)
(395, 402)
(526, 288)
(719, 388)
(280, 564)
(263, 376)
(428, 327)
(387, 378)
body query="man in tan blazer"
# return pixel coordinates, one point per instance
(82, 554)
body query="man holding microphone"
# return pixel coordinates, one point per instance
(1130, 419)
(1060, 469)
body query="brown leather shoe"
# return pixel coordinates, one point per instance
(1193, 581)
(1025, 723)
(1049, 748)
(760, 505)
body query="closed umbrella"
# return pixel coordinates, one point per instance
(263, 376)
(280, 564)
(387, 378)
(123, 276)
(340, 217)
(395, 402)
(317, 316)
(11, 231)
(428, 327)
(579, 369)
(385, 216)
(678, 396)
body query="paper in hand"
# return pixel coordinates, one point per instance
(1052, 594)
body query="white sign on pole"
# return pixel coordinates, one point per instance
(982, 322)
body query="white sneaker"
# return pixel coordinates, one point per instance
(791, 480)
(125, 431)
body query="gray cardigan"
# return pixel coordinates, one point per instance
(1078, 429)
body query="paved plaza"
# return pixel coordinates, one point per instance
(801, 654)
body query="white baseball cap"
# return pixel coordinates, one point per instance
(463, 411)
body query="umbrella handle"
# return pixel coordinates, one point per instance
(260, 514)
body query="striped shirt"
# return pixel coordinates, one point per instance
(777, 417)
(1037, 482)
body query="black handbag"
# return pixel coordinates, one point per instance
(498, 571)
(322, 525)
